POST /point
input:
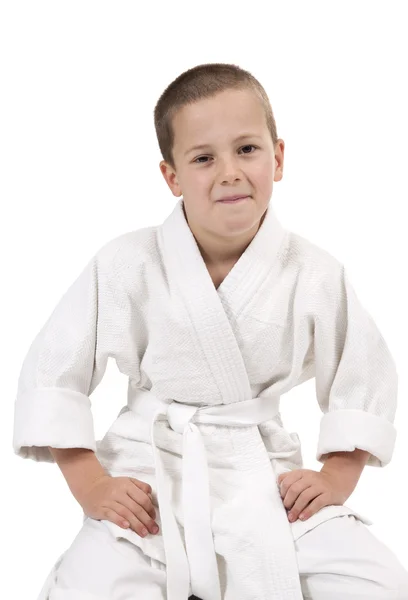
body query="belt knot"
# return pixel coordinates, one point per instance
(179, 415)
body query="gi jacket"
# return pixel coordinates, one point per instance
(207, 369)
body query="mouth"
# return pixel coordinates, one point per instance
(234, 200)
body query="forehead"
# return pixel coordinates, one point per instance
(222, 117)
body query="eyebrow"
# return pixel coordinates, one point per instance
(241, 137)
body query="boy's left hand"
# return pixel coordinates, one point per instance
(305, 492)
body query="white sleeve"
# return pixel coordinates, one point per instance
(355, 375)
(64, 364)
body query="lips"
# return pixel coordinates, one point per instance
(232, 198)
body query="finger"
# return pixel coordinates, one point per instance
(302, 501)
(314, 507)
(145, 487)
(141, 498)
(142, 516)
(136, 523)
(146, 505)
(114, 517)
(138, 511)
(291, 478)
(148, 518)
(294, 492)
(287, 474)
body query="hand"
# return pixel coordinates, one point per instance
(305, 492)
(124, 501)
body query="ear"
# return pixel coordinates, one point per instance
(170, 177)
(279, 159)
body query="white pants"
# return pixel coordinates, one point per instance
(339, 559)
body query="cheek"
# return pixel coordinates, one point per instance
(263, 174)
(197, 179)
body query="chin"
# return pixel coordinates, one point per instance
(238, 228)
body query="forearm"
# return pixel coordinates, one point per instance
(348, 465)
(79, 466)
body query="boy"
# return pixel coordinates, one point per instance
(213, 316)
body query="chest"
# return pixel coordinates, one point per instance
(219, 272)
(177, 360)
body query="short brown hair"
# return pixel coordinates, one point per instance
(203, 81)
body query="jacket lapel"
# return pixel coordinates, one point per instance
(209, 310)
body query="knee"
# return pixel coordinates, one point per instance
(402, 588)
(398, 585)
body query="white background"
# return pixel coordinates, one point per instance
(80, 165)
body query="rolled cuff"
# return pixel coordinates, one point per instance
(346, 430)
(55, 417)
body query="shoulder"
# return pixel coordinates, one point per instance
(128, 249)
(313, 262)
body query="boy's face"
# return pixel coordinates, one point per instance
(225, 166)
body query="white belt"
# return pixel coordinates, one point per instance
(197, 567)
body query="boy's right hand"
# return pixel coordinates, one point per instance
(124, 501)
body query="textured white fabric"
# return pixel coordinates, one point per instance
(285, 313)
(99, 567)
(337, 560)
(342, 560)
(201, 563)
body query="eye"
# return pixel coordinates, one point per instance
(249, 146)
(246, 146)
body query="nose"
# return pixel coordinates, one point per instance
(229, 171)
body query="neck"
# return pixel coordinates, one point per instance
(217, 250)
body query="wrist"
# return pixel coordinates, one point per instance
(347, 465)
(80, 467)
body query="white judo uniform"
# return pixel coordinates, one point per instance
(207, 368)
